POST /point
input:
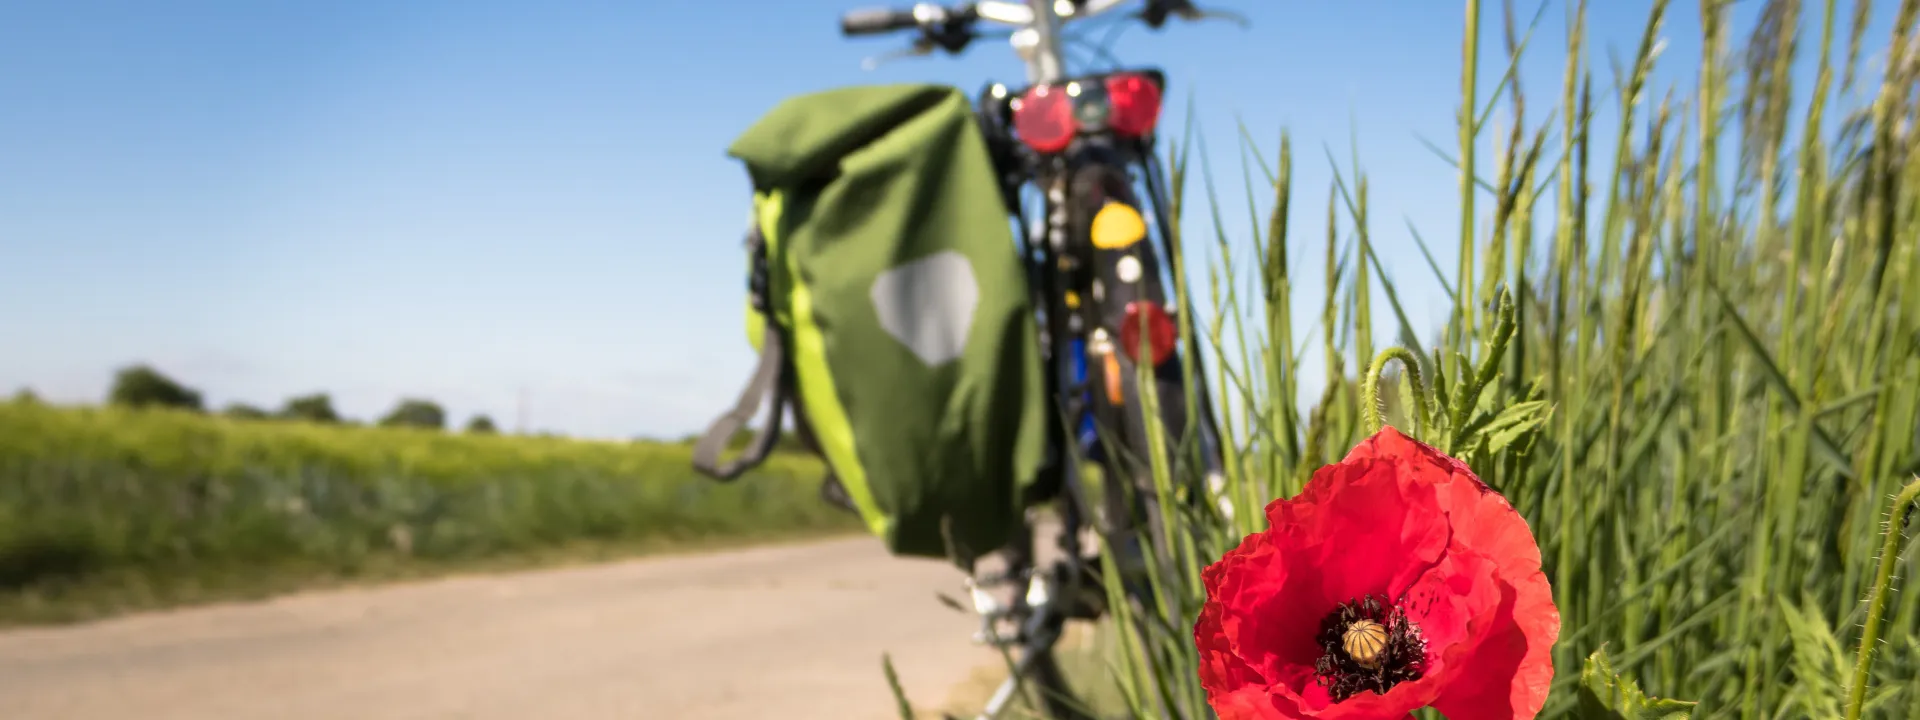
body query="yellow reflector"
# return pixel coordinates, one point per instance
(1117, 226)
(1073, 300)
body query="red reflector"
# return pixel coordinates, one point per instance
(1044, 119)
(1161, 334)
(1136, 104)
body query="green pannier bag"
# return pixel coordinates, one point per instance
(891, 312)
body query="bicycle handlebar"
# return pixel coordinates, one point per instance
(1017, 13)
(877, 21)
(952, 27)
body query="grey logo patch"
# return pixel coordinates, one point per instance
(928, 305)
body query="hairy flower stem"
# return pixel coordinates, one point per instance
(1877, 598)
(1370, 390)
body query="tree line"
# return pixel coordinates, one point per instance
(143, 386)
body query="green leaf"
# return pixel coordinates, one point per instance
(893, 683)
(1528, 437)
(1605, 695)
(948, 601)
(1817, 660)
(1513, 424)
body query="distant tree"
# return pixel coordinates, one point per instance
(315, 408)
(142, 386)
(243, 411)
(26, 396)
(414, 412)
(481, 425)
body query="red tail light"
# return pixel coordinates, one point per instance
(1047, 117)
(1136, 104)
(1161, 334)
(1044, 119)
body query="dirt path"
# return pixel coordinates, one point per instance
(794, 632)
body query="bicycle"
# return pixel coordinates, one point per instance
(1083, 141)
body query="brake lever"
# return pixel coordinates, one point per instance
(1156, 14)
(1227, 15)
(921, 48)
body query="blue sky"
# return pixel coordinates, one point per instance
(480, 200)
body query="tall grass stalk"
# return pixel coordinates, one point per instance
(1699, 381)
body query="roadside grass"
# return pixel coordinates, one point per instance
(107, 510)
(1085, 652)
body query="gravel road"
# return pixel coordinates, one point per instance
(793, 631)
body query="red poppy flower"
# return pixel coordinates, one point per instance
(1396, 580)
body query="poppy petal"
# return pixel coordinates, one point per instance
(1452, 604)
(1390, 533)
(1395, 518)
(1257, 592)
(1511, 662)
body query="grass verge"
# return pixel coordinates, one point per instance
(1085, 654)
(105, 510)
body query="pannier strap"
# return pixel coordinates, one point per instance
(768, 379)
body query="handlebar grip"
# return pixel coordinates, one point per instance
(874, 21)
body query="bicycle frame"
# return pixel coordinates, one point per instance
(1050, 590)
(1044, 241)
(1050, 594)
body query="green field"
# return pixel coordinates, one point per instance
(105, 509)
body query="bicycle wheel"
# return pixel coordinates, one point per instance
(1130, 287)
(1037, 684)
(1060, 701)
(1126, 286)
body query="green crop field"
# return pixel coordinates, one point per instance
(106, 509)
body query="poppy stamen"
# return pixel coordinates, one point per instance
(1368, 645)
